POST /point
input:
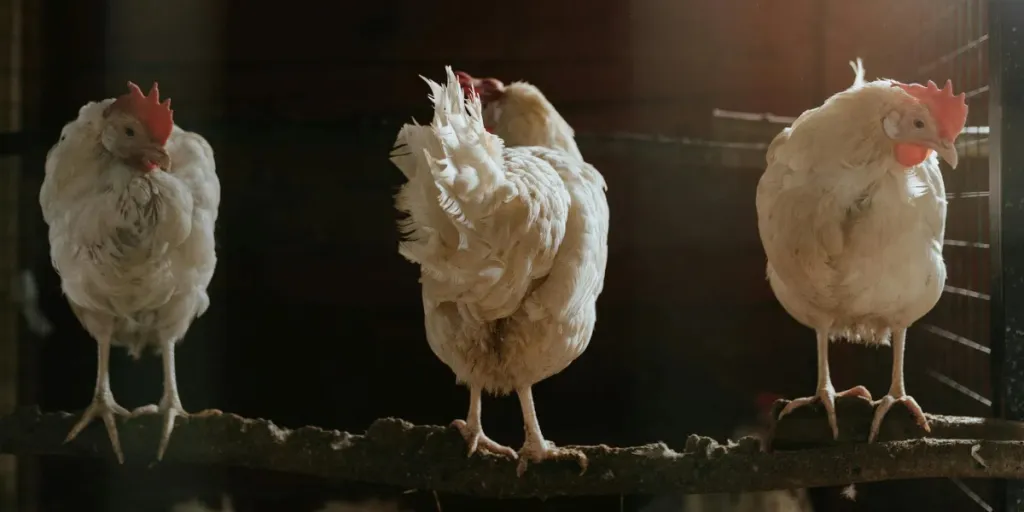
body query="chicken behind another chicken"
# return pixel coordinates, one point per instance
(512, 243)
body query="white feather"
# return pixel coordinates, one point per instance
(512, 243)
(853, 239)
(135, 251)
(858, 72)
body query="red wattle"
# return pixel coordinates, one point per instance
(910, 155)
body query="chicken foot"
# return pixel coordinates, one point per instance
(472, 429)
(170, 404)
(103, 404)
(536, 448)
(826, 392)
(897, 390)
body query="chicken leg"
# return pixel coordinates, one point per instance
(473, 432)
(170, 402)
(826, 393)
(103, 404)
(536, 448)
(897, 391)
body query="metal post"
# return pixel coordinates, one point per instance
(1006, 168)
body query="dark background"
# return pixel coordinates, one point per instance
(316, 319)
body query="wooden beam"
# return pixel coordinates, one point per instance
(395, 452)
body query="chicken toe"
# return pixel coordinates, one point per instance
(885, 404)
(170, 408)
(827, 396)
(477, 440)
(170, 404)
(102, 406)
(472, 429)
(537, 450)
(897, 390)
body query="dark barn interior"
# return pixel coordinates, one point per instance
(317, 320)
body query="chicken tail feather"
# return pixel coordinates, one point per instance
(455, 170)
(470, 171)
(858, 72)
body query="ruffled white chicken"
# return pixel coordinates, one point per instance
(512, 243)
(131, 201)
(851, 211)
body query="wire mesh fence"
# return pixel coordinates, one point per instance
(952, 347)
(951, 366)
(954, 46)
(951, 350)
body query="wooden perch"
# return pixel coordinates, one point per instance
(397, 453)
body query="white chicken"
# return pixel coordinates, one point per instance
(512, 243)
(132, 237)
(851, 211)
(520, 114)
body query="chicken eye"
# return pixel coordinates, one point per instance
(918, 124)
(129, 132)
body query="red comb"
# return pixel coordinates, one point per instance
(466, 81)
(157, 117)
(950, 111)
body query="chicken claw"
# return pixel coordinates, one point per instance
(886, 403)
(475, 439)
(537, 451)
(170, 408)
(827, 396)
(103, 406)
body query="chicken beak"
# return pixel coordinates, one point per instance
(947, 150)
(158, 157)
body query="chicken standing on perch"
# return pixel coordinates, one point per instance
(512, 243)
(132, 237)
(520, 114)
(851, 211)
